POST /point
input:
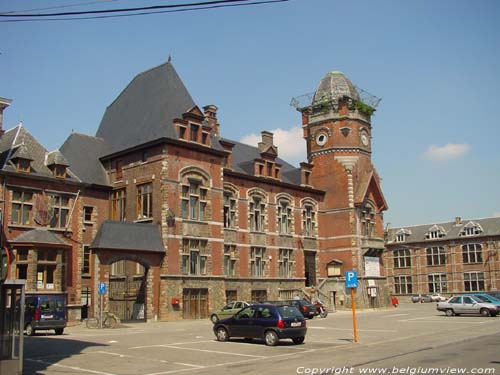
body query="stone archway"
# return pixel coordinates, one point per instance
(128, 289)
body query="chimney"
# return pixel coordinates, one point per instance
(4, 103)
(458, 220)
(211, 118)
(267, 141)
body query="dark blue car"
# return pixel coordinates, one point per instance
(270, 323)
(44, 312)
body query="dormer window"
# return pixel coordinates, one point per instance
(60, 171)
(182, 132)
(435, 232)
(471, 229)
(401, 235)
(23, 165)
(193, 132)
(204, 138)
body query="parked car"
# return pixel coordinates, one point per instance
(421, 298)
(483, 297)
(436, 297)
(45, 312)
(494, 294)
(305, 307)
(269, 322)
(467, 305)
(228, 310)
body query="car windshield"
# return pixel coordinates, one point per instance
(289, 312)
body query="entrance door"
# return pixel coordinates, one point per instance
(310, 268)
(195, 303)
(127, 290)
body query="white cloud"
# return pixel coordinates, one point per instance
(447, 152)
(291, 145)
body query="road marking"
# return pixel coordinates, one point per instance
(214, 351)
(70, 367)
(174, 343)
(392, 316)
(350, 329)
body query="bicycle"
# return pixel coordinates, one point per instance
(109, 320)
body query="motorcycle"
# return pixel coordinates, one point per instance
(320, 309)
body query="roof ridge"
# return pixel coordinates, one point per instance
(442, 223)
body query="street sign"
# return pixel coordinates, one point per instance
(102, 288)
(351, 279)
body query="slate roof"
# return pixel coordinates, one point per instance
(244, 155)
(56, 158)
(417, 233)
(121, 235)
(83, 153)
(39, 236)
(18, 142)
(144, 110)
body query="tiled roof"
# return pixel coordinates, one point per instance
(144, 110)
(121, 235)
(39, 236)
(83, 152)
(452, 231)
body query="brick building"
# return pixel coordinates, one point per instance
(177, 220)
(453, 257)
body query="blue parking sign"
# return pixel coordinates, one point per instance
(102, 288)
(351, 279)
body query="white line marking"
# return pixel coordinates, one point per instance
(214, 351)
(174, 343)
(392, 316)
(70, 367)
(187, 364)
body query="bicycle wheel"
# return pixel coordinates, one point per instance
(92, 323)
(110, 322)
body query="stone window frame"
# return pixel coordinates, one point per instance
(472, 253)
(257, 223)
(194, 256)
(436, 256)
(188, 178)
(145, 201)
(437, 282)
(258, 263)
(286, 262)
(403, 284)
(284, 214)
(367, 214)
(230, 211)
(61, 203)
(86, 260)
(22, 203)
(476, 283)
(402, 258)
(312, 229)
(119, 204)
(47, 266)
(231, 256)
(88, 213)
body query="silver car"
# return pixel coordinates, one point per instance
(467, 305)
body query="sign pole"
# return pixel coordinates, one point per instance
(354, 316)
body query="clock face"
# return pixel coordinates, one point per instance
(321, 139)
(364, 139)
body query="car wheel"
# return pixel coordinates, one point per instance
(222, 334)
(485, 312)
(59, 331)
(214, 318)
(29, 330)
(298, 340)
(271, 338)
(449, 312)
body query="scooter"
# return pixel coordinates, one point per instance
(320, 309)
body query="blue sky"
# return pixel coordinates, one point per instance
(435, 64)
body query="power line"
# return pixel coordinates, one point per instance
(263, 2)
(152, 7)
(60, 6)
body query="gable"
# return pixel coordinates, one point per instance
(369, 187)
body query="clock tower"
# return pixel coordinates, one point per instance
(336, 122)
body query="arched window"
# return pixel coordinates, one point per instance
(285, 215)
(309, 219)
(194, 195)
(230, 206)
(257, 209)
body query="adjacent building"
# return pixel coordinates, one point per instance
(448, 258)
(174, 219)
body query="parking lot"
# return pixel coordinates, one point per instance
(190, 346)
